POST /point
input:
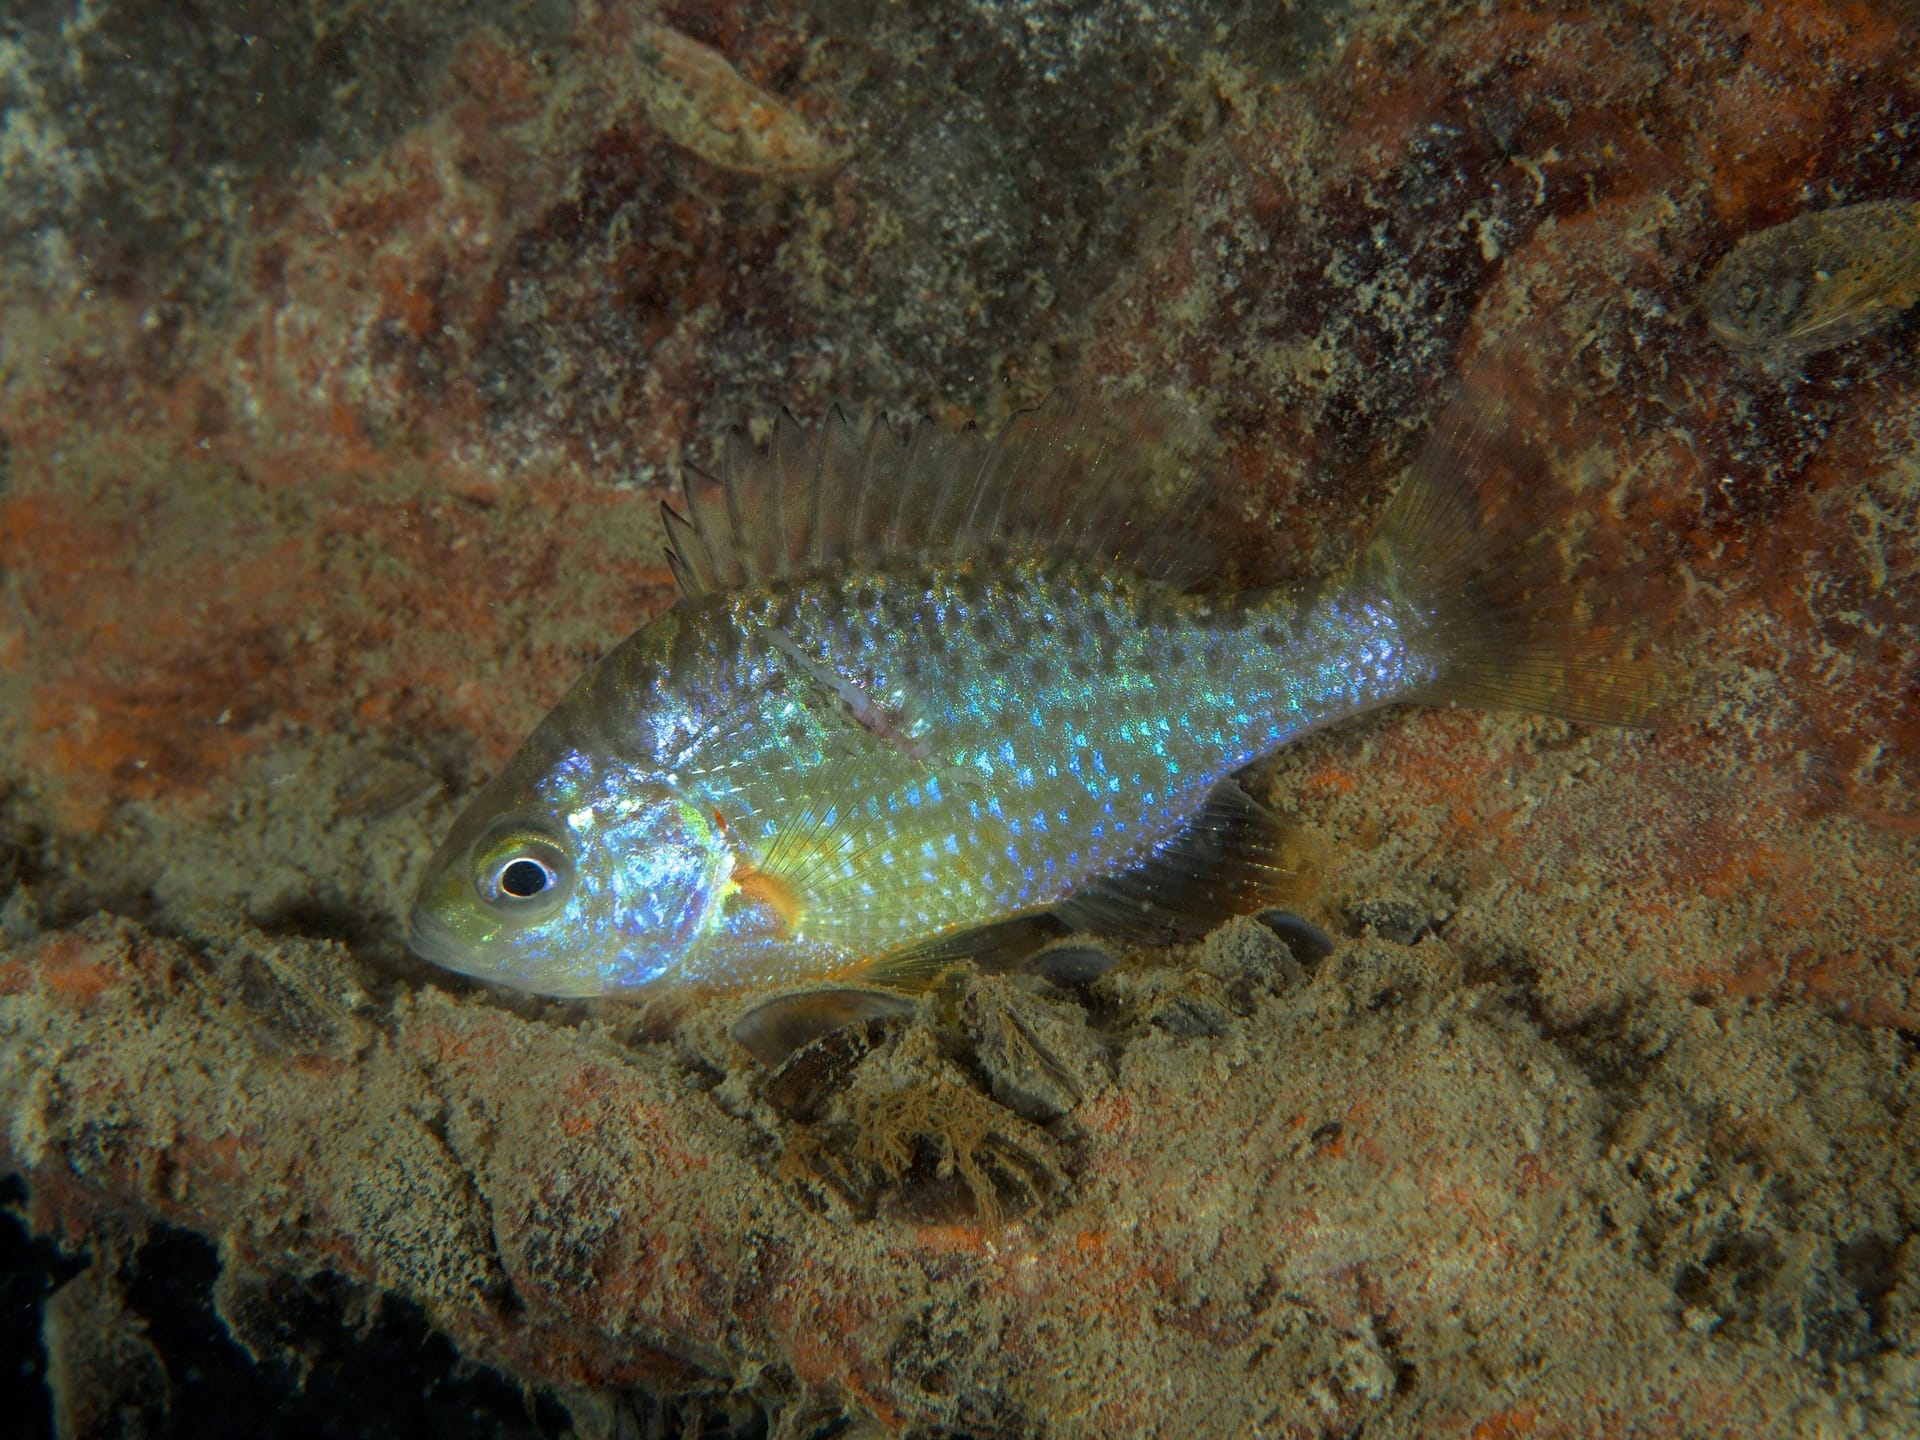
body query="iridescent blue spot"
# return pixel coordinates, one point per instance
(1006, 753)
(558, 785)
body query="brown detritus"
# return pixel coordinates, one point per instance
(1375, 1204)
(263, 1314)
(106, 1379)
(910, 1137)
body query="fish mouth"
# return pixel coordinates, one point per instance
(433, 940)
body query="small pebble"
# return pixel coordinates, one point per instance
(1073, 963)
(1400, 921)
(1039, 1060)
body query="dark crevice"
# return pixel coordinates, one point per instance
(334, 1347)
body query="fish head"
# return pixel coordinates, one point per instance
(572, 876)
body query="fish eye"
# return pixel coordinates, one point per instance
(520, 870)
(524, 878)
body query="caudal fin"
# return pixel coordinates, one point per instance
(1494, 553)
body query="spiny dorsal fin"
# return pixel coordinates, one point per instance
(1116, 484)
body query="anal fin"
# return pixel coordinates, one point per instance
(1003, 945)
(1235, 858)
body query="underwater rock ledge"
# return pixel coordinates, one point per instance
(594, 1217)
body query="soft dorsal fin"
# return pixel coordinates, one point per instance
(1114, 484)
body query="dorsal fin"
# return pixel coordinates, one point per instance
(1114, 484)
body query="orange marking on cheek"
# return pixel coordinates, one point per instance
(770, 893)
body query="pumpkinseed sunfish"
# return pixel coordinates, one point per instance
(920, 684)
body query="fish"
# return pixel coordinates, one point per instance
(1815, 282)
(701, 103)
(924, 689)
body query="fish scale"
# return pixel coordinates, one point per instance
(843, 757)
(1101, 706)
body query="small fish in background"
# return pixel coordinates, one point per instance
(926, 693)
(704, 105)
(1815, 282)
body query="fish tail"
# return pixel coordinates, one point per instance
(1486, 551)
